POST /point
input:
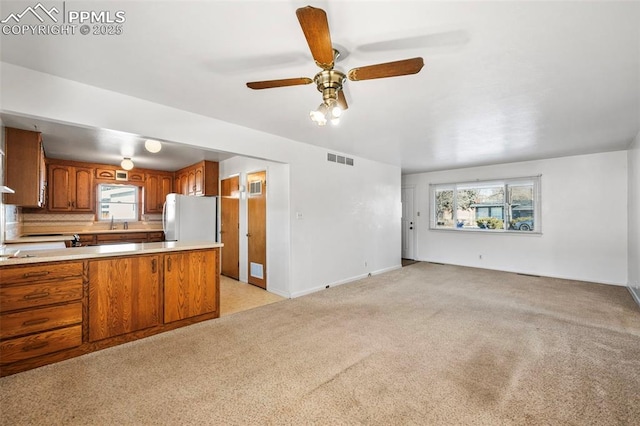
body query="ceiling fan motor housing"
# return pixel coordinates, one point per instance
(329, 82)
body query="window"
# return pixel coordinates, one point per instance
(117, 202)
(509, 205)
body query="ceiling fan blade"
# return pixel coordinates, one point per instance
(316, 30)
(256, 85)
(388, 69)
(342, 100)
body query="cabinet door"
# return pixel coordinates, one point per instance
(22, 168)
(151, 189)
(124, 295)
(190, 284)
(166, 187)
(198, 186)
(191, 187)
(82, 185)
(59, 177)
(42, 172)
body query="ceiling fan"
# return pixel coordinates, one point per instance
(330, 81)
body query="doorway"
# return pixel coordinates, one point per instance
(408, 223)
(257, 228)
(230, 226)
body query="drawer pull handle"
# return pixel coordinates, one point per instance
(35, 321)
(36, 274)
(36, 295)
(34, 346)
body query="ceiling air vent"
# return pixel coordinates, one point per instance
(335, 158)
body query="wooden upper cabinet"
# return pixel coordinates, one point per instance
(71, 188)
(156, 187)
(25, 171)
(198, 179)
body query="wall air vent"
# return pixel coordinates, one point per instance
(255, 188)
(335, 158)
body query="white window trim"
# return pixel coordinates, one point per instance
(537, 208)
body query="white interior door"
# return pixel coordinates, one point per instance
(408, 223)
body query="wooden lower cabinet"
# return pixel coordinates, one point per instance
(124, 295)
(41, 312)
(190, 284)
(53, 311)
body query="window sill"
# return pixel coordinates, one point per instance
(485, 231)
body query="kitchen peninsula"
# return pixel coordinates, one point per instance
(58, 304)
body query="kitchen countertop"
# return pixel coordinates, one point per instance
(40, 239)
(81, 253)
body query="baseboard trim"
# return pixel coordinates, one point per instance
(635, 293)
(529, 273)
(345, 281)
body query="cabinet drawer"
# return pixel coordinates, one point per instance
(36, 320)
(29, 274)
(124, 237)
(40, 344)
(156, 237)
(28, 296)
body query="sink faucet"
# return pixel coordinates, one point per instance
(126, 225)
(112, 224)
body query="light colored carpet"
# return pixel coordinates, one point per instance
(425, 344)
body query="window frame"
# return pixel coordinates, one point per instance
(137, 203)
(505, 183)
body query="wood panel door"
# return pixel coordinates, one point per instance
(257, 228)
(124, 295)
(230, 227)
(190, 284)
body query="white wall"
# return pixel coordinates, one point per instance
(634, 218)
(351, 215)
(584, 221)
(350, 223)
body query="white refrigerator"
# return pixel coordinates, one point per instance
(190, 218)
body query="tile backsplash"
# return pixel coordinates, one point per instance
(12, 221)
(33, 223)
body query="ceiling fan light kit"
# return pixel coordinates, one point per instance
(330, 81)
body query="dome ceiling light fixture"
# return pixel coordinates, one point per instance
(329, 81)
(126, 163)
(152, 145)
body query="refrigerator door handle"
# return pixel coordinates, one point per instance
(164, 222)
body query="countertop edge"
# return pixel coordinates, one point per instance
(111, 250)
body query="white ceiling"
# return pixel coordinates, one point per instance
(502, 82)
